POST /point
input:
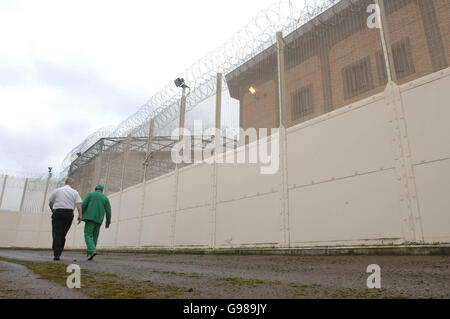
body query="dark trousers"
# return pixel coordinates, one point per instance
(61, 222)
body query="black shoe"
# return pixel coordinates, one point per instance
(56, 258)
(91, 256)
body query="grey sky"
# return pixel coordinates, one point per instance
(68, 68)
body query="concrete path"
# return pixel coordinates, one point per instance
(237, 276)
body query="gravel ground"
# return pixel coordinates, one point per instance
(17, 282)
(261, 277)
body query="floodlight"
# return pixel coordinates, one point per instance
(180, 83)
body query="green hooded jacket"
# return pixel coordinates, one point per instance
(94, 207)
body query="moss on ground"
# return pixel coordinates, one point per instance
(365, 294)
(305, 290)
(303, 287)
(102, 285)
(178, 274)
(251, 283)
(314, 290)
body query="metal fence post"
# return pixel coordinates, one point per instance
(3, 190)
(177, 168)
(409, 206)
(144, 182)
(386, 42)
(43, 207)
(23, 195)
(46, 191)
(284, 191)
(214, 165)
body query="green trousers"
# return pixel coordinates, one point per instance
(91, 232)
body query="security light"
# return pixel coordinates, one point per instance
(180, 83)
(252, 90)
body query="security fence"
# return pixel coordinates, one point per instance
(336, 79)
(372, 183)
(298, 60)
(23, 194)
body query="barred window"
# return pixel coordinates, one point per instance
(403, 61)
(302, 102)
(381, 68)
(357, 78)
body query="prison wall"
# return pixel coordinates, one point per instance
(348, 188)
(365, 158)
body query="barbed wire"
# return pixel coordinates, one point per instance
(22, 174)
(86, 144)
(244, 45)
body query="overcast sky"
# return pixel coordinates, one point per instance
(68, 68)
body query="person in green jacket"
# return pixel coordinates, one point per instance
(94, 208)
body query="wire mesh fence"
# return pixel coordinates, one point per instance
(330, 53)
(27, 194)
(419, 37)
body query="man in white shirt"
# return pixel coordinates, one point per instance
(63, 202)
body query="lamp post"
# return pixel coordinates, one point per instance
(180, 83)
(46, 188)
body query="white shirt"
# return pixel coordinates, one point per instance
(65, 198)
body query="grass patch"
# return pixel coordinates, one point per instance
(305, 290)
(365, 294)
(251, 283)
(303, 287)
(178, 274)
(102, 285)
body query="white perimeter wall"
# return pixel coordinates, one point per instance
(344, 188)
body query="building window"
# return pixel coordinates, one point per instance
(381, 68)
(357, 78)
(403, 61)
(302, 102)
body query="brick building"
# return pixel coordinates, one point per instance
(335, 60)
